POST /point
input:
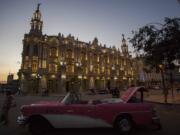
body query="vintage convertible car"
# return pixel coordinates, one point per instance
(120, 113)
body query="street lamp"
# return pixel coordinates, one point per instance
(38, 79)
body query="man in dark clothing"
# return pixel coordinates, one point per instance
(8, 103)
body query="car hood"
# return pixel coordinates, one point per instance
(130, 92)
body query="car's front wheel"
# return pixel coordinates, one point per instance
(123, 125)
(39, 126)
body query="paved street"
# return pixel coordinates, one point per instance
(169, 115)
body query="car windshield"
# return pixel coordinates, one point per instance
(112, 100)
(74, 98)
(71, 98)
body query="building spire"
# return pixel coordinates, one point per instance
(36, 23)
(38, 5)
(123, 39)
(124, 46)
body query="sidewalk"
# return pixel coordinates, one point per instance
(157, 96)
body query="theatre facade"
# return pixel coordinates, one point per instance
(50, 63)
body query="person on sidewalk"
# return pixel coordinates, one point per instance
(9, 102)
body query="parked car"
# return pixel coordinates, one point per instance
(122, 114)
(102, 91)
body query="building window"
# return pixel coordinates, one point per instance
(98, 70)
(97, 58)
(70, 69)
(86, 70)
(108, 71)
(103, 69)
(26, 57)
(69, 53)
(34, 66)
(35, 50)
(52, 68)
(124, 63)
(39, 63)
(25, 65)
(53, 52)
(35, 58)
(44, 64)
(91, 68)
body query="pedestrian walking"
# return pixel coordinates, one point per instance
(115, 93)
(9, 102)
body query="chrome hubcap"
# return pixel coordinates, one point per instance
(124, 125)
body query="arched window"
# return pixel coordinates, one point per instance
(26, 51)
(35, 50)
(53, 52)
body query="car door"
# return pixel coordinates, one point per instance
(81, 115)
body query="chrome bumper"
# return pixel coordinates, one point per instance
(21, 120)
(156, 122)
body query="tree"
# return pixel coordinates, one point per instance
(159, 44)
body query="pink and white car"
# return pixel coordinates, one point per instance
(120, 113)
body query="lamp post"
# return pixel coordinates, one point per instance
(79, 77)
(38, 86)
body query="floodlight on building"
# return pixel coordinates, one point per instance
(97, 77)
(77, 64)
(53, 76)
(79, 76)
(38, 76)
(61, 63)
(63, 76)
(33, 75)
(113, 68)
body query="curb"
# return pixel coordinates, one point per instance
(166, 104)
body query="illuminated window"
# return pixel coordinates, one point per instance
(124, 62)
(103, 69)
(98, 71)
(69, 54)
(39, 63)
(91, 68)
(53, 52)
(34, 66)
(97, 58)
(66, 41)
(86, 57)
(117, 61)
(29, 63)
(52, 68)
(117, 72)
(70, 69)
(108, 71)
(83, 56)
(86, 70)
(44, 64)
(55, 68)
(125, 73)
(35, 58)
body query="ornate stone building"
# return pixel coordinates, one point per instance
(50, 62)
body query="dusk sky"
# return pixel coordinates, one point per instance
(85, 19)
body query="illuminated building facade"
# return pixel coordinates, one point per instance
(50, 62)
